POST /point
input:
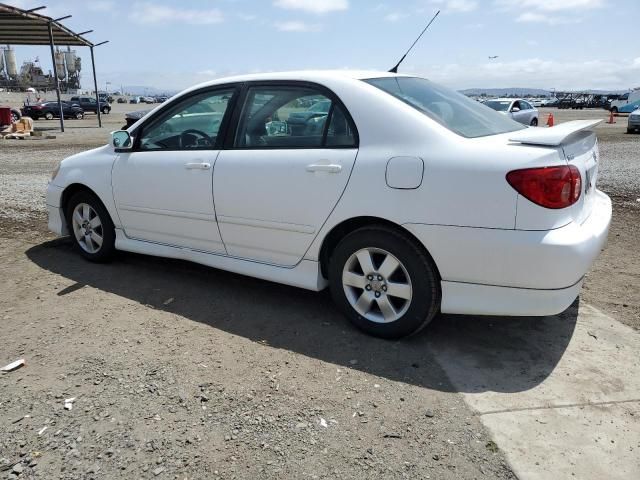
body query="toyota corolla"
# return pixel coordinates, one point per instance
(403, 197)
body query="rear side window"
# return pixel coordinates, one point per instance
(452, 110)
(292, 117)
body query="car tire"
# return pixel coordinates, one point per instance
(15, 116)
(105, 110)
(534, 122)
(93, 239)
(48, 116)
(79, 116)
(361, 275)
(630, 130)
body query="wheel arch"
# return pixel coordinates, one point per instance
(74, 188)
(344, 228)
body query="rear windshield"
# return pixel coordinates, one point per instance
(451, 109)
(498, 105)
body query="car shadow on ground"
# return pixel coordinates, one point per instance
(501, 354)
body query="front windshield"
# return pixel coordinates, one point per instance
(498, 105)
(451, 109)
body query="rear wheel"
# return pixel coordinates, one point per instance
(534, 122)
(91, 227)
(383, 282)
(48, 116)
(15, 116)
(105, 110)
(79, 115)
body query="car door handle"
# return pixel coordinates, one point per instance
(197, 166)
(318, 167)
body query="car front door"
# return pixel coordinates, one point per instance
(516, 111)
(163, 187)
(286, 167)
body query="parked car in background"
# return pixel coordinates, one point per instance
(406, 198)
(50, 110)
(627, 102)
(16, 114)
(147, 100)
(633, 124)
(90, 104)
(134, 100)
(520, 110)
(132, 117)
(121, 100)
(105, 98)
(549, 102)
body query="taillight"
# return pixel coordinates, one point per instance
(550, 187)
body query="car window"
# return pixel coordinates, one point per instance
(525, 105)
(292, 117)
(498, 105)
(516, 104)
(192, 123)
(450, 109)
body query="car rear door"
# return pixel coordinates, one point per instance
(283, 171)
(163, 187)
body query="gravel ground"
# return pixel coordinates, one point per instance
(180, 371)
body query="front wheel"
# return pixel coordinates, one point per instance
(79, 115)
(48, 116)
(91, 227)
(534, 122)
(105, 110)
(384, 282)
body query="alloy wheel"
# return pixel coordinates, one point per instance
(87, 228)
(377, 285)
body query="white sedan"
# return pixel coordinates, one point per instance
(520, 110)
(405, 198)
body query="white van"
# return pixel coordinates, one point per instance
(627, 103)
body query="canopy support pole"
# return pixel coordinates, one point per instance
(55, 75)
(95, 85)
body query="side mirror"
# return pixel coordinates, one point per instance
(121, 140)
(515, 109)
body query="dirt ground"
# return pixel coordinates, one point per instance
(181, 371)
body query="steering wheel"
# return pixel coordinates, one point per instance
(195, 132)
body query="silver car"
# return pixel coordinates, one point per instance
(634, 121)
(518, 109)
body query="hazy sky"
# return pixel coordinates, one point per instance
(563, 44)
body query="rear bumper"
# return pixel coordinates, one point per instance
(518, 272)
(474, 299)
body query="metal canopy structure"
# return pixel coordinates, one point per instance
(25, 27)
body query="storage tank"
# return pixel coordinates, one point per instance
(10, 62)
(59, 56)
(70, 57)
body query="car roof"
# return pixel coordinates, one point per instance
(317, 76)
(504, 99)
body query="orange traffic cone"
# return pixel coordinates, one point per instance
(550, 120)
(611, 120)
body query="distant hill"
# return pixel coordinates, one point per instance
(142, 90)
(505, 92)
(526, 92)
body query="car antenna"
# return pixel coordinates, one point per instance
(395, 69)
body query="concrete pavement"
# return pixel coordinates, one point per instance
(560, 395)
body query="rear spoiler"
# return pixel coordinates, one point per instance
(552, 136)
